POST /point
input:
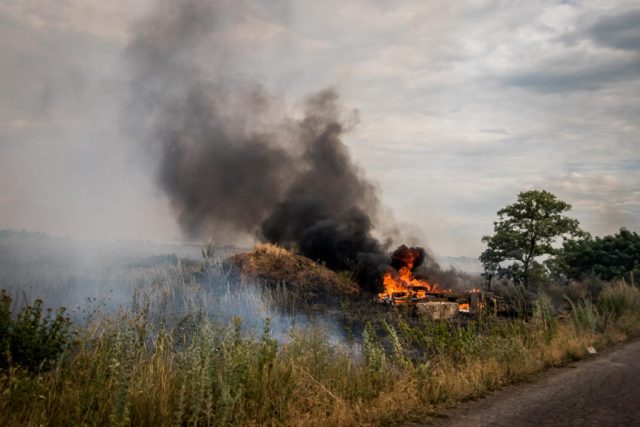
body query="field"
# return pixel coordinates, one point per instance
(161, 339)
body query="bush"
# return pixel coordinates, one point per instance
(30, 339)
(619, 299)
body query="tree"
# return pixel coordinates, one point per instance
(526, 230)
(608, 257)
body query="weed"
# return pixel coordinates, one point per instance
(585, 315)
(133, 368)
(35, 337)
(619, 299)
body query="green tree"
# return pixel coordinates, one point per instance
(526, 230)
(608, 257)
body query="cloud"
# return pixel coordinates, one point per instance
(606, 202)
(462, 105)
(619, 31)
(575, 72)
(594, 51)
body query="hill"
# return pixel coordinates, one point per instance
(305, 279)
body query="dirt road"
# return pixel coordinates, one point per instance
(601, 391)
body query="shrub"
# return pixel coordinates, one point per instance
(619, 299)
(31, 339)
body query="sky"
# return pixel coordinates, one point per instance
(460, 106)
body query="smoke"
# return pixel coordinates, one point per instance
(327, 209)
(232, 158)
(218, 168)
(424, 267)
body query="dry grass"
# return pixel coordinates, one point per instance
(129, 370)
(272, 250)
(303, 277)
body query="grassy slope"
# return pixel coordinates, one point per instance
(306, 280)
(126, 370)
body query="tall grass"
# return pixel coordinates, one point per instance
(135, 367)
(619, 300)
(585, 315)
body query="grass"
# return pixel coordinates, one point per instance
(177, 355)
(307, 283)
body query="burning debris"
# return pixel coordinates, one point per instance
(400, 284)
(403, 285)
(438, 309)
(449, 304)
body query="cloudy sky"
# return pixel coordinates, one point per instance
(461, 105)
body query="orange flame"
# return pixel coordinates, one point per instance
(401, 283)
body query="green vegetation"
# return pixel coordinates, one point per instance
(179, 355)
(526, 230)
(608, 257)
(128, 369)
(525, 248)
(31, 339)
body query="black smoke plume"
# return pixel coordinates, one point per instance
(404, 256)
(231, 158)
(424, 267)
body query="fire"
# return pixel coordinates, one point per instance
(400, 285)
(403, 281)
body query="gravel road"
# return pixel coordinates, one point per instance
(601, 391)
